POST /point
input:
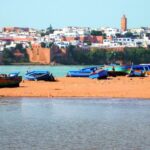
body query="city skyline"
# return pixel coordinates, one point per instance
(97, 13)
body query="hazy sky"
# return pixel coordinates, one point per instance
(61, 13)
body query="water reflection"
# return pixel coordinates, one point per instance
(70, 124)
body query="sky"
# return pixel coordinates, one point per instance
(86, 13)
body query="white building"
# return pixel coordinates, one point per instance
(110, 31)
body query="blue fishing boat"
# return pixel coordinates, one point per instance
(99, 74)
(146, 67)
(85, 72)
(39, 75)
(137, 71)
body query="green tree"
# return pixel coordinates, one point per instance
(49, 30)
(128, 35)
(7, 56)
(118, 35)
(96, 56)
(96, 33)
(43, 44)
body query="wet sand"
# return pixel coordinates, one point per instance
(118, 87)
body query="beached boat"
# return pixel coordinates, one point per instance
(137, 71)
(99, 74)
(10, 80)
(39, 75)
(117, 70)
(85, 72)
(146, 68)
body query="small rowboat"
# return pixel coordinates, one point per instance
(39, 75)
(85, 72)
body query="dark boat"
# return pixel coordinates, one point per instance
(10, 80)
(117, 70)
(85, 72)
(39, 75)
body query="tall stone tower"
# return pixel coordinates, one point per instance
(123, 23)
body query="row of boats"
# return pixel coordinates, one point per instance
(111, 70)
(13, 79)
(94, 72)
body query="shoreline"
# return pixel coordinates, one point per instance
(118, 87)
(76, 98)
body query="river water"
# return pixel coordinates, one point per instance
(57, 71)
(74, 124)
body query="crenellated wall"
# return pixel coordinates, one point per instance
(38, 54)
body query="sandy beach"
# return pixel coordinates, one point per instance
(118, 87)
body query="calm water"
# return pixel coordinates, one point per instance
(58, 71)
(59, 124)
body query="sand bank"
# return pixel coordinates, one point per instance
(119, 87)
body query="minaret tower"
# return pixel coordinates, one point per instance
(123, 23)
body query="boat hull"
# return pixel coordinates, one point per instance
(137, 74)
(39, 75)
(118, 70)
(85, 72)
(10, 81)
(99, 74)
(137, 71)
(78, 74)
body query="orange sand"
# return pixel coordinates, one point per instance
(123, 87)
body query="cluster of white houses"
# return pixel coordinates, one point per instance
(78, 36)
